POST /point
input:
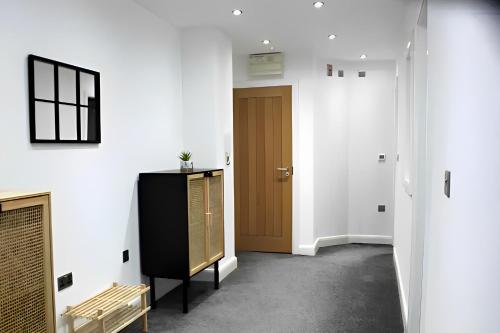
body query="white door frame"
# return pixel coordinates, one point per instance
(420, 174)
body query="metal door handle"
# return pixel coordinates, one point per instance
(285, 170)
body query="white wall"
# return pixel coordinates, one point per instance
(461, 267)
(354, 122)
(403, 206)
(339, 127)
(208, 111)
(371, 131)
(94, 192)
(331, 159)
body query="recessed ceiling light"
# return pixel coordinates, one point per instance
(332, 36)
(237, 12)
(266, 42)
(363, 57)
(318, 4)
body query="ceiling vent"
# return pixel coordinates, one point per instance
(265, 64)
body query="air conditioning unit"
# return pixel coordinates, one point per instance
(265, 64)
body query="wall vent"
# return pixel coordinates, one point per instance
(361, 74)
(265, 64)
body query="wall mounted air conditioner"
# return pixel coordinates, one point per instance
(265, 64)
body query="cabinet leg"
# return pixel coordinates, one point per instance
(185, 284)
(152, 292)
(216, 275)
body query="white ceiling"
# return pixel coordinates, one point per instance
(374, 27)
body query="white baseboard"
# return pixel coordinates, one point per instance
(402, 296)
(332, 240)
(310, 250)
(226, 267)
(370, 239)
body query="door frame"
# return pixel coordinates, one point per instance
(296, 173)
(420, 173)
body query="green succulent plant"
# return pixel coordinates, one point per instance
(185, 156)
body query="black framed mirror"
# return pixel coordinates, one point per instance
(64, 102)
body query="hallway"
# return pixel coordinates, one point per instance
(347, 288)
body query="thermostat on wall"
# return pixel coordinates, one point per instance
(381, 157)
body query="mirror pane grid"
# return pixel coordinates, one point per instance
(67, 122)
(44, 80)
(67, 85)
(45, 120)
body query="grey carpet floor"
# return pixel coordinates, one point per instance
(348, 288)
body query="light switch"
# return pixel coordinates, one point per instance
(447, 183)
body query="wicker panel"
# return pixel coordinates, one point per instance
(216, 233)
(197, 227)
(23, 291)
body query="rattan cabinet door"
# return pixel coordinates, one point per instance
(26, 288)
(216, 216)
(197, 229)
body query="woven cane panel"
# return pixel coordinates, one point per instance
(217, 217)
(22, 271)
(196, 223)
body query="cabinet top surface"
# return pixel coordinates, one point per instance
(179, 172)
(19, 195)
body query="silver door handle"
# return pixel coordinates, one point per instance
(285, 170)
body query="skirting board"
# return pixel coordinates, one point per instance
(402, 296)
(310, 250)
(226, 267)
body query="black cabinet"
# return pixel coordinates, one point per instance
(181, 225)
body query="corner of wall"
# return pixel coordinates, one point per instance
(402, 298)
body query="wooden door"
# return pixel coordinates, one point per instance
(197, 223)
(215, 216)
(262, 120)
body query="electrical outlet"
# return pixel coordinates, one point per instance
(64, 281)
(381, 157)
(125, 256)
(381, 208)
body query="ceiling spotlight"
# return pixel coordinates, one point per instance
(237, 12)
(318, 4)
(363, 57)
(266, 42)
(332, 36)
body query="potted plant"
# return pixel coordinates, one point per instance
(186, 163)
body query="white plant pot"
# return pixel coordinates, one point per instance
(186, 165)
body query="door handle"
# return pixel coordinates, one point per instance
(285, 170)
